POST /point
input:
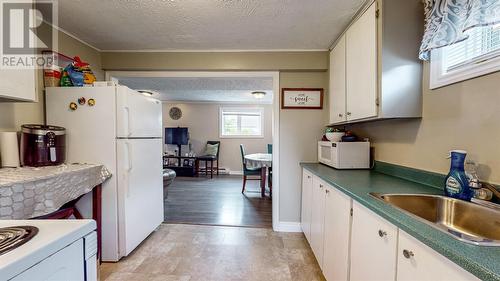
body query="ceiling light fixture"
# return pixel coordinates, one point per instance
(258, 94)
(147, 93)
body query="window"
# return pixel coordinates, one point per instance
(241, 122)
(476, 56)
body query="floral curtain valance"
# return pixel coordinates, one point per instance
(446, 21)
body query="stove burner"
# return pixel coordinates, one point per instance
(14, 236)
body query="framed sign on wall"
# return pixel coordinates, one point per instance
(302, 98)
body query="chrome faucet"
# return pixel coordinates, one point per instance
(471, 173)
(491, 188)
(482, 190)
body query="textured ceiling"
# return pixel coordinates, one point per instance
(227, 90)
(207, 24)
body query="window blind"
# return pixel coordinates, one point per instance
(241, 122)
(483, 44)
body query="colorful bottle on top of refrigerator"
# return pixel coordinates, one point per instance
(456, 183)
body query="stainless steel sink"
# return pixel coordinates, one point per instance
(463, 220)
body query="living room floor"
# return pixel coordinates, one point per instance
(217, 201)
(197, 252)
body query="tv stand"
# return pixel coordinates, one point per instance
(180, 170)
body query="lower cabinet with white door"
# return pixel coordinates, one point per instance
(416, 261)
(328, 221)
(373, 246)
(337, 235)
(351, 242)
(318, 219)
(306, 204)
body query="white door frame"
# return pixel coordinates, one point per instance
(110, 75)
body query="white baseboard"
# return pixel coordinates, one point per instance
(238, 173)
(288, 226)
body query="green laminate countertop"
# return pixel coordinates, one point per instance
(482, 261)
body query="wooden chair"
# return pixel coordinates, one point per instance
(270, 169)
(248, 171)
(210, 159)
(65, 212)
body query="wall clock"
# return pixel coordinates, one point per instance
(175, 113)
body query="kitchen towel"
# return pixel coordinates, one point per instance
(9, 149)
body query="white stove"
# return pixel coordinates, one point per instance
(48, 250)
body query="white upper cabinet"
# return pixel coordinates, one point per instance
(18, 85)
(418, 262)
(336, 232)
(337, 82)
(373, 244)
(361, 66)
(375, 72)
(305, 214)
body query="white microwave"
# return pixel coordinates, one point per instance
(344, 155)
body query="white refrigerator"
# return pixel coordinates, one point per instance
(123, 131)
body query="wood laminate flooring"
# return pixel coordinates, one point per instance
(217, 201)
(216, 253)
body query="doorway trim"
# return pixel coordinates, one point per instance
(275, 75)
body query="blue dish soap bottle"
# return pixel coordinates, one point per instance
(456, 183)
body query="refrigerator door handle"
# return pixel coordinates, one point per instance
(129, 156)
(129, 127)
(128, 152)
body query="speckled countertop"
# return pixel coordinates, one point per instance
(483, 262)
(29, 192)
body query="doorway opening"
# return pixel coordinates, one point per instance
(214, 123)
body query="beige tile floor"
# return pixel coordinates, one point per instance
(194, 252)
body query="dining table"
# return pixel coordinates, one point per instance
(263, 161)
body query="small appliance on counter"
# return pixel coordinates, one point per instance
(42, 145)
(344, 155)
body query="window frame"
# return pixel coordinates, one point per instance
(473, 69)
(223, 109)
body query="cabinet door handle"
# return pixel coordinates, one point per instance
(308, 177)
(327, 191)
(408, 254)
(321, 186)
(382, 233)
(348, 114)
(340, 114)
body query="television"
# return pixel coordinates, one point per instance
(177, 136)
